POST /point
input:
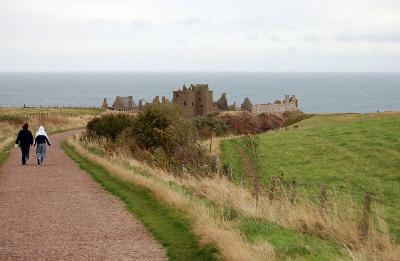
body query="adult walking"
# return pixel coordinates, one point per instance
(40, 142)
(24, 141)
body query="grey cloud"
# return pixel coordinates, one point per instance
(181, 41)
(252, 37)
(312, 38)
(134, 24)
(106, 22)
(369, 37)
(139, 24)
(274, 38)
(190, 21)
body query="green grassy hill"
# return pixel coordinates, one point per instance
(351, 152)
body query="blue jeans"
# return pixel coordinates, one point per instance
(40, 152)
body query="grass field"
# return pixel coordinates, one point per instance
(351, 152)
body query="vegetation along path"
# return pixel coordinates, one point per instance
(57, 211)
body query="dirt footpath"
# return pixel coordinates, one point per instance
(58, 212)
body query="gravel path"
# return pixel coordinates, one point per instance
(58, 212)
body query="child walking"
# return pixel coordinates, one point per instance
(40, 141)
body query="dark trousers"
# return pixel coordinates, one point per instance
(25, 154)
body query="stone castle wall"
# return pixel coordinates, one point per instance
(288, 104)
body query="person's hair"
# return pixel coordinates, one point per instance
(25, 126)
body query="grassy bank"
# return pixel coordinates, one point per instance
(352, 153)
(227, 207)
(168, 226)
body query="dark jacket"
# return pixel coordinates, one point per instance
(42, 139)
(24, 139)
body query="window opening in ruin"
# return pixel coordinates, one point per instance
(184, 103)
(177, 95)
(192, 104)
(199, 99)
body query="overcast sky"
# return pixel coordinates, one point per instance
(206, 35)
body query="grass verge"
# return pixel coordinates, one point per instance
(5, 151)
(167, 225)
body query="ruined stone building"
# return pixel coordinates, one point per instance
(247, 105)
(290, 103)
(164, 100)
(104, 105)
(222, 103)
(123, 103)
(195, 100)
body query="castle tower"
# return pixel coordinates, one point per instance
(286, 99)
(222, 103)
(164, 100)
(195, 100)
(156, 100)
(204, 99)
(104, 106)
(117, 105)
(130, 102)
(247, 105)
(185, 99)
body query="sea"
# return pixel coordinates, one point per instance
(317, 92)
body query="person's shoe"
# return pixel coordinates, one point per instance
(38, 162)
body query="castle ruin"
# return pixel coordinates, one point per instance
(290, 103)
(195, 100)
(124, 103)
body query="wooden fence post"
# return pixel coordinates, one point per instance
(281, 184)
(293, 191)
(229, 172)
(214, 164)
(272, 188)
(322, 199)
(365, 218)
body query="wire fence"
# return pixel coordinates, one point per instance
(319, 193)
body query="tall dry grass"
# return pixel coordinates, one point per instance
(340, 223)
(51, 122)
(208, 223)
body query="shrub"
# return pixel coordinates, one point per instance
(268, 122)
(209, 125)
(240, 122)
(291, 118)
(163, 126)
(109, 126)
(159, 135)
